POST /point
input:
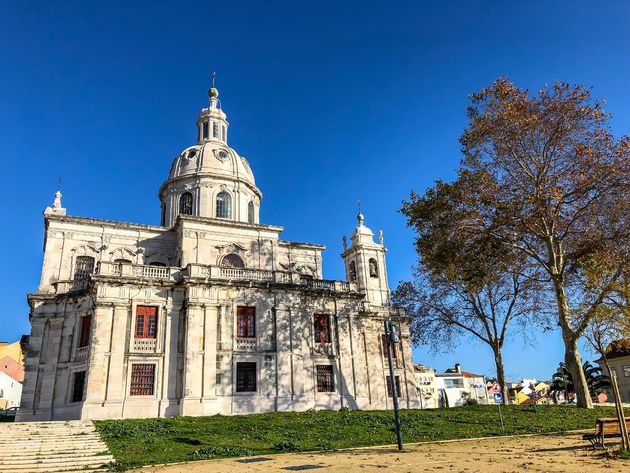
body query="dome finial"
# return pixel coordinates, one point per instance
(360, 217)
(213, 93)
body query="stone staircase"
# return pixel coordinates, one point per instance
(51, 447)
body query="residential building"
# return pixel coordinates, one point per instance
(618, 356)
(11, 374)
(426, 386)
(210, 311)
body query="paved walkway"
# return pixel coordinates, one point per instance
(568, 453)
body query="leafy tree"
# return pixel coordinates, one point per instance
(541, 176)
(562, 382)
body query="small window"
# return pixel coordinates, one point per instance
(626, 370)
(78, 386)
(389, 386)
(321, 327)
(250, 212)
(122, 261)
(205, 130)
(373, 268)
(246, 322)
(83, 268)
(186, 204)
(224, 205)
(215, 130)
(157, 263)
(86, 325)
(384, 344)
(232, 260)
(325, 379)
(223, 129)
(353, 271)
(142, 379)
(245, 377)
(146, 321)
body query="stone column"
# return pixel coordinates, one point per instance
(193, 366)
(96, 376)
(115, 358)
(209, 358)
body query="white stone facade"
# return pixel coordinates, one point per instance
(210, 313)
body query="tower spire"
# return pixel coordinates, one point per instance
(360, 217)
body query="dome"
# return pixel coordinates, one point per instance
(210, 179)
(212, 159)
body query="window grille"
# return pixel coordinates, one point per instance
(146, 321)
(245, 377)
(224, 205)
(389, 386)
(142, 379)
(215, 129)
(250, 212)
(84, 337)
(232, 260)
(78, 386)
(83, 268)
(321, 327)
(245, 322)
(325, 379)
(186, 204)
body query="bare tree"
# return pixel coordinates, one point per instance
(542, 175)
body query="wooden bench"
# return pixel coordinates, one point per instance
(605, 427)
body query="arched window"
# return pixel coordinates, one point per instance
(186, 204)
(224, 205)
(232, 260)
(83, 267)
(353, 271)
(373, 268)
(250, 212)
(157, 263)
(122, 261)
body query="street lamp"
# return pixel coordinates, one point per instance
(392, 336)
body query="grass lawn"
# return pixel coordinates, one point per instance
(136, 442)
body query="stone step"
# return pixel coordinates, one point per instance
(51, 447)
(48, 468)
(71, 459)
(61, 450)
(48, 435)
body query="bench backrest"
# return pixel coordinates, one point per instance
(610, 426)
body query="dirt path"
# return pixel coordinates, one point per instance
(568, 453)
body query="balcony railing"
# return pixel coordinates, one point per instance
(281, 277)
(165, 273)
(206, 272)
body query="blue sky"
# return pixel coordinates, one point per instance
(329, 101)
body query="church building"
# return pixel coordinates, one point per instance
(210, 312)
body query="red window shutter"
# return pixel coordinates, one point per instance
(146, 321)
(86, 324)
(384, 344)
(245, 322)
(321, 327)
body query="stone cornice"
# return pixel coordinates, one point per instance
(106, 223)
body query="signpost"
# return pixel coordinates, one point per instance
(391, 336)
(498, 400)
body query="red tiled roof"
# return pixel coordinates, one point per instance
(471, 375)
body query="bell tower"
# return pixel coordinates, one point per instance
(365, 263)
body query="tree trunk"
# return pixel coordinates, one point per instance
(498, 361)
(572, 356)
(621, 418)
(573, 359)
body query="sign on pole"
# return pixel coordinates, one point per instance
(498, 398)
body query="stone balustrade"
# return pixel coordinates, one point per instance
(281, 277)
(206, 272)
